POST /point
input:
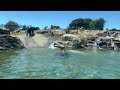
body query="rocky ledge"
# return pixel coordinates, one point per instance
(73, 41)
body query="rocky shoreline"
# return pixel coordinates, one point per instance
(83, 39)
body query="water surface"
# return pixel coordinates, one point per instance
(41, 63)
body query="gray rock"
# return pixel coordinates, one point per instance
(9, 42)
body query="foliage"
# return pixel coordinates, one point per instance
(67, 30)
(92, 25)
(45, 27)
(114, 29)
(107, 29)
(36, 28)
(87, 24)
(54, 27)
(1, 29)
(24, 27)
(99, 24)
(11, 25)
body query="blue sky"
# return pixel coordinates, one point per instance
(60, 18)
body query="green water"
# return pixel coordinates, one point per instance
(40, 63)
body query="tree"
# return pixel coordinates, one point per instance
(51, 27)
(77, 23)
(24, 27)
(100, 23)
(45, 27)
(92, 25)
(67, 30)
(87, 23)
(114, 29)
(54, 27)
(107, 29)
(36, 28)
(11, 25)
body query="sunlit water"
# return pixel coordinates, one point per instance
(40, 63)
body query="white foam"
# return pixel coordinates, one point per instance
(52, 46)
(74, 51)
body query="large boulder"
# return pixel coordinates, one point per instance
(117, 38)
(72, 41)
(6, 32)
(9, 42)
(69, 37)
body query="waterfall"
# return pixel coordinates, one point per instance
(95, 45)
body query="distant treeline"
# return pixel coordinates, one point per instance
(11, 25)
(85, 23)
(15, 26)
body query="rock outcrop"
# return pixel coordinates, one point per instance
(10, 43)
(6, 32)
(72, 41)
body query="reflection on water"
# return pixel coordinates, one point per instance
(50, 64)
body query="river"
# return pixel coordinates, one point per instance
(45, 63)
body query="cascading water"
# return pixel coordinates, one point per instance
(95, 45)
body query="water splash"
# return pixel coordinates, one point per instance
(78, 52)
(52, 46)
